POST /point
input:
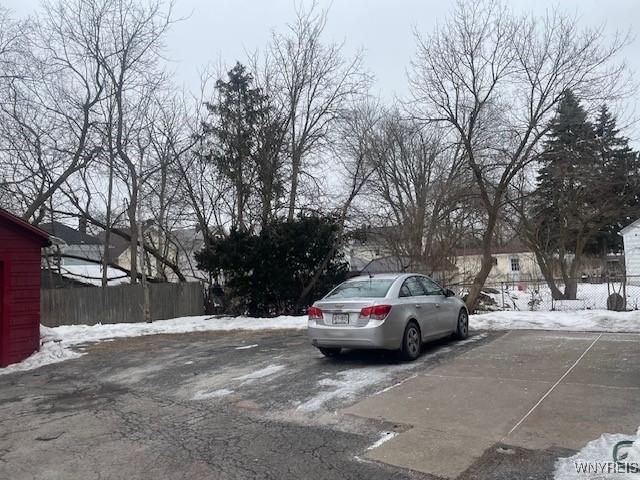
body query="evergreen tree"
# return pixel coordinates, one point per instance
(234, 130)
(619, 177)
(586, 190)
(568, 157)
(265, 273)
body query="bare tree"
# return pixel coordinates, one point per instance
(314, 84)
(422, 191)
(494, 80)
(128, 50)
(48, 120)
(353, 151)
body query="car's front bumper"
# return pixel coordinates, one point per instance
(373, 335)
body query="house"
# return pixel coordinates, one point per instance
(631, 239)
(179, 247)
(440, 270)
(376, 250)
(75, 259)
(20, 254)
(513, 261)
(368, 244)
(76, 247)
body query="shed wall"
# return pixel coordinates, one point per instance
(20, 257)
(632, 251)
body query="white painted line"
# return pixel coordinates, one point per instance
(552, 387)
(247, 346)
(385, 437)
(396, 384)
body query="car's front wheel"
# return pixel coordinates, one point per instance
(411, 341)
(462, 331)
(329, 352)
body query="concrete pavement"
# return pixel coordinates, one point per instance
(527, 391)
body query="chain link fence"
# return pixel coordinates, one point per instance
(604, 293)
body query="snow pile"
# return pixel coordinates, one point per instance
(52, 350)
(595, 460)
(79, 334)
(57, 343)
(585, 320)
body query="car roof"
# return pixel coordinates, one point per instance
(381, 276)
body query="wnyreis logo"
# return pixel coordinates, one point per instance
(620, 464)
(621, 454)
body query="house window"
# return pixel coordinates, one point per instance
(515, 264)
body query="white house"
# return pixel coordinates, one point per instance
(512, 262)
(631, 238)
(82, 248)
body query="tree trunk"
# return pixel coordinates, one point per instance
(571, 285)
(107, 233)
(295, 173)
(485, 265)
(133, 241)
(547, 274)
(571, 289)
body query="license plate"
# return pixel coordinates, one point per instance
(340, 318)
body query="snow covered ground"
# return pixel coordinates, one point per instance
(575, 320)
(60, 343)
(595, 460)
(57, 344)
(530, 296)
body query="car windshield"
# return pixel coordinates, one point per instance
(373, 288)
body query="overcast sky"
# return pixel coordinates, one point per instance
(215, 30)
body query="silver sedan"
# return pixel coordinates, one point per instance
(387, 311)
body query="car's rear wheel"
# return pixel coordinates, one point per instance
(462, 331)
(330, 351)
(411, 341)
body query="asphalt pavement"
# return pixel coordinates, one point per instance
(267, 405)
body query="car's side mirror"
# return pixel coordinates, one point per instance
(449, 293)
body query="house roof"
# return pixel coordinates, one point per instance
(629, 227)
(71, 236)
(34, 231)
(375, 235)
(394, 264)
(117, 244)
(515, 245)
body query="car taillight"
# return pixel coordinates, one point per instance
(314, 313)
(377, 312)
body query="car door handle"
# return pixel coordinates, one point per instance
(418, 305)
(437, 305)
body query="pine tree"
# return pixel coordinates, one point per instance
(618, 177)
(586, 190)
(567, 161)
(233, 130)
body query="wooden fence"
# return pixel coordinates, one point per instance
(119, 304)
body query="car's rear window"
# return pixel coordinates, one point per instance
(376, 288)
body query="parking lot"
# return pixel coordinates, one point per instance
(268, 405)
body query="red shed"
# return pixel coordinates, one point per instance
(20, 244)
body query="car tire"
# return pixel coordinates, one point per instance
(330, 352)
(411, 341)
(462, 328)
